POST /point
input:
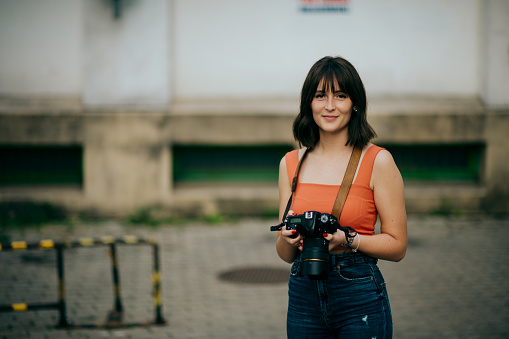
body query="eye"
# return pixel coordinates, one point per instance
(319, 95)
(341, 95)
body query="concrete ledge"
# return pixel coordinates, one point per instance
(420, 105)
(444, 198)
(230, 199)
(251, 199)
(264, 199)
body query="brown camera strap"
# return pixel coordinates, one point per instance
(345, 184)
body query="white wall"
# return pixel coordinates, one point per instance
(265, 48)
(40, 47)
(189, 49)
(495, 88)
(126, 61)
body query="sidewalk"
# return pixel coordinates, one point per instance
(451, 284)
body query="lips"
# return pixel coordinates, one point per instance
(329, 117)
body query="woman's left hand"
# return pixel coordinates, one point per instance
(335, 239)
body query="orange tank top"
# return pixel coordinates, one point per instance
(359, 211)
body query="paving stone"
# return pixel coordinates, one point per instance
(451, 284)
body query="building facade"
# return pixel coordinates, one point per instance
(187, 105)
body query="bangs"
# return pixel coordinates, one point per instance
(334, 79)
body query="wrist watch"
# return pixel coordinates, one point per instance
(349, 238)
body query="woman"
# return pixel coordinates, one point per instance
(353, 301)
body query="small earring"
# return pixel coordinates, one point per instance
(355, 110)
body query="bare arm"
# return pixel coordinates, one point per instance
(389, 196)
(286, 246)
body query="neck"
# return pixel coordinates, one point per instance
(333, 143)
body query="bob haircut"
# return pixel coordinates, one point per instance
(334, 71)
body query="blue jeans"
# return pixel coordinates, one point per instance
(351, 303)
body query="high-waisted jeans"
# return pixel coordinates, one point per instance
(351, 303)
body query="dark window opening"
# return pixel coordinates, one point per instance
(440, 163)
(198, 163)
(41, 165)
(428, 163)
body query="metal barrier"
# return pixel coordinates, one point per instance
(115, 316)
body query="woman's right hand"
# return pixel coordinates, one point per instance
(292, 237)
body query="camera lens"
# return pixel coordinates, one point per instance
(315, 258)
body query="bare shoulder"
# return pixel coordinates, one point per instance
(301, 152)
(385, 169)
(384, 159)
(282, 164)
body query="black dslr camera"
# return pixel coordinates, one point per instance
(315, 253)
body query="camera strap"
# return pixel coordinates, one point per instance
(345, 184)
(294, 183)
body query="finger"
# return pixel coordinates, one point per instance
(290, 212)
(287, 232)
(290, 233)
(327, 236)
(300, 244)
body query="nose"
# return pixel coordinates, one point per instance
(328, 104)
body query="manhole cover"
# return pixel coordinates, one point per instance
(256, 275)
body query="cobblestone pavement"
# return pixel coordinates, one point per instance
(452, 283)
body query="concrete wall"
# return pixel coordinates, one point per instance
(229, 72)
(127, 155)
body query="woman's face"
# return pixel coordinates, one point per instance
(331, 108)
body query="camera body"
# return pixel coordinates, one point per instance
(312, 224)
(315, 253)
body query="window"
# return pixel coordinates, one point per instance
(440, 162)
(195, 163)
(41, 165)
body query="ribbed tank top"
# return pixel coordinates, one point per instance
(359, 211)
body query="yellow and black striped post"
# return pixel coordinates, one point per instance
(63, 322)
(115, 316)
(157, 286)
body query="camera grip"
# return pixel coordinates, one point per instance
(288, 227)
(292, 227)
(276, 228)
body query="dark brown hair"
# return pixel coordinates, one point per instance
(333, 70)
